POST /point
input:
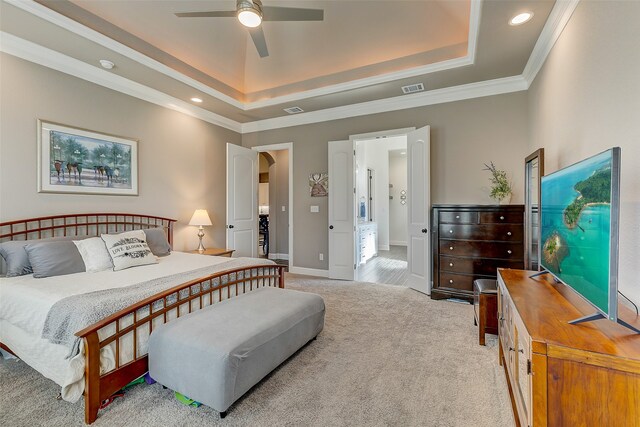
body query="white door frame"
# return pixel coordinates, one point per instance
(374, 135)
(289, 147)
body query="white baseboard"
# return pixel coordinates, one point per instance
(397, 243)
(278, 256)
(383, 247)
(309, 271)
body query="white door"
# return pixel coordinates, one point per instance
(341, 210)
(242, 201)
(418, 203)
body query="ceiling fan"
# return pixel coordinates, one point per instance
(251, 13)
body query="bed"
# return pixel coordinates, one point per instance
(112, 350)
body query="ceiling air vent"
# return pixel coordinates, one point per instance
(418, 87)
(293, 110)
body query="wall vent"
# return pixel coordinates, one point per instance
(418, 87)
(293, 110)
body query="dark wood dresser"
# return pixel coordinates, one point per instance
(470, 242)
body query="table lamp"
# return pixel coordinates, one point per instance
(200, 218)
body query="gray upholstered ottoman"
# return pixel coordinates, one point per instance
(217, 354)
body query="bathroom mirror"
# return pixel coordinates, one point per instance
(533, 171)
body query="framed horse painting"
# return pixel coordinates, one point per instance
(79, 161)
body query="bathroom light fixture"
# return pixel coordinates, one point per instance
(521, 18)
(249, 13)
(195, 99)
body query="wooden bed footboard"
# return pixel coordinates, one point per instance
(124, 334)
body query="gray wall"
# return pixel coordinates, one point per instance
(181, 159)
(464, 135)
(586, 99)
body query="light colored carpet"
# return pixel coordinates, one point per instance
(387, 356)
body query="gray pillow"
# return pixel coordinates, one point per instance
(54, 258)
(157, 241)
(17, 259)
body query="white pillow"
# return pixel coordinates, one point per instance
(128, 249)
(94, 254)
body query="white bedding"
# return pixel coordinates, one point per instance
(25, 302)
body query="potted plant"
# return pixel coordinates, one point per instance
(501, 188)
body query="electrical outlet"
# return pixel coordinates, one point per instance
(321, 257)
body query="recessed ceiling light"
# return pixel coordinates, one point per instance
(198, 100)
(521, 18)
(106, 64)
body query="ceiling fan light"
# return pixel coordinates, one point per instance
(249, 18)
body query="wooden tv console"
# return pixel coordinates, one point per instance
(561, 374)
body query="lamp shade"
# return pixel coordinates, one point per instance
(200, 217)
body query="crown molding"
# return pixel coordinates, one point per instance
(77, 28)
(81, 30)
(557, 20)
(437, 96)
(33, 52)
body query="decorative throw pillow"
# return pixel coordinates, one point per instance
(157, 241)
(49, 259)
(94, 254)
(17, 258)
(128, 249)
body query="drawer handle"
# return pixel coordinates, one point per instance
(450, 280)
(450, 248)
(508, 233)
(450, 264)
(512, 349)
(521, 350)
(502, 218)
(457, 216)
(509, 251)
(450, 231)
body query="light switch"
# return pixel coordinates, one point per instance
(283, 209)
(315, 208)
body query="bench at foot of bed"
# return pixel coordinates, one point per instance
(215, 355)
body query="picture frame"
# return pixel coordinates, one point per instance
(79, 161)
(319, 184)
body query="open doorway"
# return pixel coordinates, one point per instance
(274, 201)
(381, 223)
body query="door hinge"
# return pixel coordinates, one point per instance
(354, 190)
(528, 367)
(354, 152)
(354, 266)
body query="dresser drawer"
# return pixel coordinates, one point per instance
(499, 232)
(459, 217)
(457, 281)
(501, 218)
(503, 250)
(482, 266)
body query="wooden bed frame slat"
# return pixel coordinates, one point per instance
(99, 387)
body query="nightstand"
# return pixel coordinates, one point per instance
(215, 252)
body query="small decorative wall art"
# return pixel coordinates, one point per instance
(72, 160)
(319, 184)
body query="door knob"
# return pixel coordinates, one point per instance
(331, 227)
(230, 225)
(424, 230)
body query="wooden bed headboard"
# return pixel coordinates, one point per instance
(87, 224)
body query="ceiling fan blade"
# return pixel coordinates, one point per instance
(212, 14)
(257, 35)
(275, 13)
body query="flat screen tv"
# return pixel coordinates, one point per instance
(579, 218)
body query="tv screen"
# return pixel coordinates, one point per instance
(579, 228)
